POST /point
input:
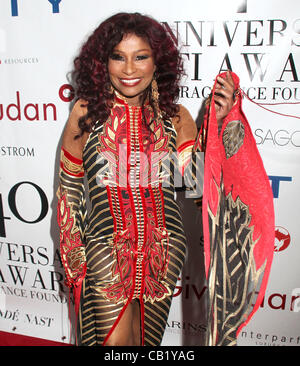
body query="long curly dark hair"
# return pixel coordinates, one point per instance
(90, 74)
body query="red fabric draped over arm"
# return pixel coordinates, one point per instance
(238, 223)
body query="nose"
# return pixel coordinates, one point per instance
(129, 67)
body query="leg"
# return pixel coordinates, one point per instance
(127, 331)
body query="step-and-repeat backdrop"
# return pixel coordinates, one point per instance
(39, 39)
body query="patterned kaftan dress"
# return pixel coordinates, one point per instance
(131, 245)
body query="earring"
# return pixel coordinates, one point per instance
(155, 97)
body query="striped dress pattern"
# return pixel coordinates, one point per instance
(132, 235)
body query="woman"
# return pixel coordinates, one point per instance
(124, 258)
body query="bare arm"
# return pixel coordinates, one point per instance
(69, 143)
(185, 127)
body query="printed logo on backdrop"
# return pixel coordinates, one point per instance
(244, 34)
(17, 110)
(251, 44)
(188, 292)
(276, 183)
(277, 138)
(282, 239)
(19, 61)
(282, 301)
(13, 199)
(241, 8)
(30, 272)
(17, 151)
(261, 338)
(54, 7)
(187, 328)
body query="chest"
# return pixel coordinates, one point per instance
(129, 148)
(134, 130)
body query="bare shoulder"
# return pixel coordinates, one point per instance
(182, 118)
(184, 125)
(75, 145)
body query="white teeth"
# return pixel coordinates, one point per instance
(130, 82)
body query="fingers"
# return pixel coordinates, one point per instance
(220, 101)
(224, 92)
(229, 78)
(225, 86)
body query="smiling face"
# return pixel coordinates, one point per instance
(131, 67)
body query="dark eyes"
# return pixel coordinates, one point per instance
(142, 57)
(118, 57)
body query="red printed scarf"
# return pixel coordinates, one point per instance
(238, 223)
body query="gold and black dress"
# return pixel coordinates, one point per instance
(131, 245)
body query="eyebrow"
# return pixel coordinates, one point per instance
(141, 50)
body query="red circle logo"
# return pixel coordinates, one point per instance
(66, 93)
(282, 239)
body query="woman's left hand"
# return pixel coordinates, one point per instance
(224, 96)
